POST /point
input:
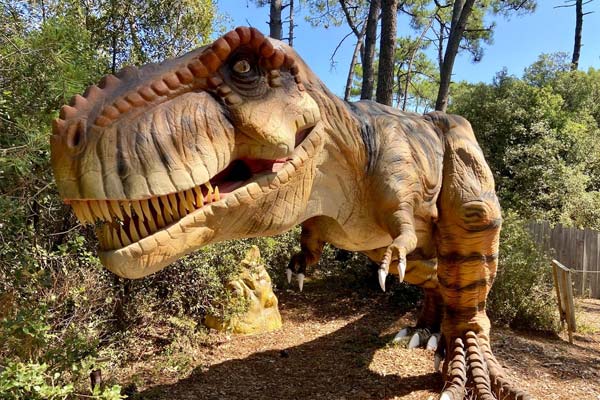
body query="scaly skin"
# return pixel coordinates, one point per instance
(241, 139)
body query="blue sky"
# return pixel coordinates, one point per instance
(517, 41)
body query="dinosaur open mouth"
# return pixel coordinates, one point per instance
(120, 223)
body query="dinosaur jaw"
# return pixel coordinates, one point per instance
(242, 203)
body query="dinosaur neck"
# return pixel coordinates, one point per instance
(342, 163)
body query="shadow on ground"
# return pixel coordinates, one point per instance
(333, 366)
(337, 348)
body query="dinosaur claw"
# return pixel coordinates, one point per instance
(401, 268)
(414, 342)
(382, 275)
(432, 343)
(288, 274)
(446, 396)
(300, 278)
(400, 335)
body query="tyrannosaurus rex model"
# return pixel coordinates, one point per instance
(241, 139)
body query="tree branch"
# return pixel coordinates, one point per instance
(351, 23)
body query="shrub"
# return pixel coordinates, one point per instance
(522, 295)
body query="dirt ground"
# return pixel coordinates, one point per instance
(336, 345)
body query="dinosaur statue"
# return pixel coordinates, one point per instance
(241, 139)
(252, 286)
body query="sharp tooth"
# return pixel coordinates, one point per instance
(151, 224)
(138, 209)
(115, 238)
(199, 197)
(146, 209)
(159, 211)
(116, 209)
(165, 203)
(87, 212)
(208, 198)
(156, 205)
(104, 208)
(96, 210)
(167, 207)
(182, 204)
(189, 197)
(217, 196)
(78, 212)
(127, 207)
(209, 187)
(149, 216)
(142, 229)
(124, 238)
(133, 232)
(173, 200)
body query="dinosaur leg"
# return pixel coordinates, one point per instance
(467, 239)
(311, 248)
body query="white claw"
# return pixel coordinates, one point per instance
(288, 273)
(382, 275)
(401, 268)
(414, 341)
(446, 396)
(300, 278)
(437, 362)
(432, 343)
(400, 335)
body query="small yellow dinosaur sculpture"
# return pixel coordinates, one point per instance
(253, 286)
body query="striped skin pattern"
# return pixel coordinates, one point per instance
(241, 139)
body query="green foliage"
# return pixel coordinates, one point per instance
(59, 309)
(193, 286)
(522, 295)
(539, 135)
(32, 381)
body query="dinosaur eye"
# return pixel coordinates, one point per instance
(241, 67)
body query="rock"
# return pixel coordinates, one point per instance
(254, 285)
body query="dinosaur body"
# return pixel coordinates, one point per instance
(241, 139)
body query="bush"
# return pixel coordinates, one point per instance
(522, 295)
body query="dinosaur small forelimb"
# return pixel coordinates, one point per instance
(297, 266)
(400, 247)
(311, 248)
(401, 226)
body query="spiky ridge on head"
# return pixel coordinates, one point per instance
(132, 88)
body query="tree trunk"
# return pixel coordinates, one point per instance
(368, 82)
(291, 30)
(275, 25)
(460, 14)
(578, 28)
(385, 73)
(357, 49)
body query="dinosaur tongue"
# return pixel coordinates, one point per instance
(258, 166)
(239, 171)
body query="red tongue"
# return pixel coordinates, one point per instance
(257, 166)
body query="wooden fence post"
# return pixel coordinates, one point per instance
(564, 293)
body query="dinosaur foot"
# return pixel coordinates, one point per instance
(471, 366)
(418, 337)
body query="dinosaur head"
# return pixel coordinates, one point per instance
(214, 145)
